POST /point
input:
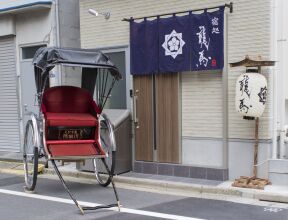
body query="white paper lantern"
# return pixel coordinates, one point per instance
(251, 94)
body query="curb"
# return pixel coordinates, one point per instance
(11, 160)
(175, 188)
(14, 160)
(184, 188)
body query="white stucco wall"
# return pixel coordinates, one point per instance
(34, 27)
(7, 25)
(249, 33)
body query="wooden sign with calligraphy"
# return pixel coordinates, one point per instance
(68, 133)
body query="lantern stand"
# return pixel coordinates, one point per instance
(244, 181)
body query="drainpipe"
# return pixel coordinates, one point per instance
(56, 80)
(282, 41)
(57, 23)
(59, 68)
(225, 97)
(274, 46)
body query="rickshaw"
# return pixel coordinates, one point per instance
(70, 124)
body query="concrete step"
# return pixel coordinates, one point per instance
(278, 166)
(279, 179)
(278, 172)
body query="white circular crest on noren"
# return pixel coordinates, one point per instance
(173, 44)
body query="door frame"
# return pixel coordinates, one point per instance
(129, 85)
(19, 60)
(129, 82)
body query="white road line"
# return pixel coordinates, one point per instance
(123, 210)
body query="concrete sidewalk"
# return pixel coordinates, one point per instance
(165, 184)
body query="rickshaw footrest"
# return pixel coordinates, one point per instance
(100, 207)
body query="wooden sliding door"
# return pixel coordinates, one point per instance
(156, 111)
(167, 118)
(143, 116)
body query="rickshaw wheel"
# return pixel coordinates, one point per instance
(107, 140)
(30, 157)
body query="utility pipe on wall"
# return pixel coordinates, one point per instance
(57, 23)
(284, 42)
(274, 46)
(281, 40)
(56, 79)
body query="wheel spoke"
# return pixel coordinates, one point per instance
(106, 136)
(30, 157)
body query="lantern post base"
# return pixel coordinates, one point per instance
(251, 182)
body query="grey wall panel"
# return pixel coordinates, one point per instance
(202, 152)
(241, 158)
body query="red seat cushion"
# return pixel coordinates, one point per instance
(58, 150)
(70, 119)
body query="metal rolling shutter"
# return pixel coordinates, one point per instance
(9, 117)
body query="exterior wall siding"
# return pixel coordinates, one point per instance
(249, 34)
(249, 28)
(202, 99)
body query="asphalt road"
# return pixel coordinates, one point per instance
(51, 202)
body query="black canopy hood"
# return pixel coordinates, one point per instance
(47, 57)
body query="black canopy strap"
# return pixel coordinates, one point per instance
(230, 6)
(101, 81)
(40, 79)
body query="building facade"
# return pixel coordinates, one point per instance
(26, 25)
(185, 125)
(214, 142)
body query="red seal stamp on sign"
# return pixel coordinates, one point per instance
(213, 62)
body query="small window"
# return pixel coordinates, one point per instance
(29, 52)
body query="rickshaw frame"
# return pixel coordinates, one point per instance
(44, 61)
